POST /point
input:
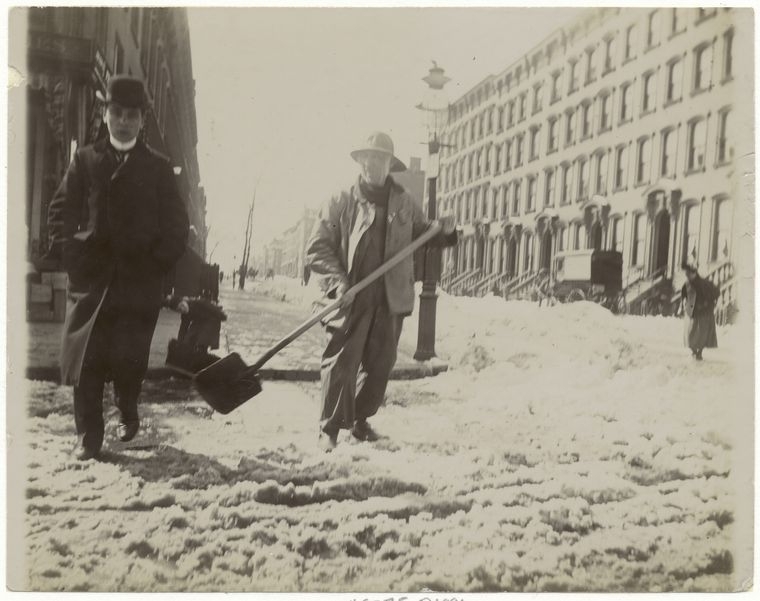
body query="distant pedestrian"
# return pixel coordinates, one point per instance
(698, 296)
(306, 275)
(356, 231)
(118, 224)
(234, 278)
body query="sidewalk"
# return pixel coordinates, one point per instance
(254, 324)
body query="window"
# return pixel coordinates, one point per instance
(582, 179)
(504, 201)
(490, 121)
(626, 93)
(549, 188)
(118, 57)
(519, 150)
(728, 59)
(668, 160)
(566, 182)
(691, 234)
(494, 205)
(639, 231)
(590, 65)
(579, 233)
(508, 155)
(677, 22)
(586, 119)
(725, 150)
(534, 142)
(702, 67)
(516, 198)
(134, 22)
(523, 103)
(552, 139)
(528, 252)
(480, 126)
(531, 205)
(675, 76)
(642, 162)
(621, 166)
(555, 86)
(696, 148)
(705, 13)
(653, 29)
(617, 235)
(648, 92)
(605, 121)
(572, 76)
(570, 127)
(630, 42)
(537, 97)
(497, 159)
(609, 54)
(501, 119)
(601, 174)
(562, 237)
(721, 247)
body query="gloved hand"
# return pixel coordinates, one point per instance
(344, 295)
(448, 224)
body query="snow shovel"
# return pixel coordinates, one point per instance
(229, 382)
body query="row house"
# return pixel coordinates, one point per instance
(618, 132)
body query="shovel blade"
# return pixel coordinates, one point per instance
(226, 384)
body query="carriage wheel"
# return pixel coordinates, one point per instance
(576, 294)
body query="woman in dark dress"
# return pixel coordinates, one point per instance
(698, 296)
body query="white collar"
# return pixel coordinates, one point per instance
(123, 146)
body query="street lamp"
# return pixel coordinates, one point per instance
(435, 112)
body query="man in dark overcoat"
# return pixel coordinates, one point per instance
(357, 231)
(118, 224)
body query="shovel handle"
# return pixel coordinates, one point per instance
(431, 232)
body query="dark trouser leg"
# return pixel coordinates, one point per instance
(130, 350)
(378, 360)
(340, 364)
(88, 393)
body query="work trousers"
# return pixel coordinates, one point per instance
(357, 363)
(118, 350)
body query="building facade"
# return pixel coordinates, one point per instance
(617, 132)
(71, 53)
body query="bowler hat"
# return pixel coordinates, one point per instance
(127, 91)
(379, 142)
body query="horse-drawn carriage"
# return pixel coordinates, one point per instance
(595, 275)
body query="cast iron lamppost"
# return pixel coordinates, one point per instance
(435, 109)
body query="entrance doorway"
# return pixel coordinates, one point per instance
(546, 251)
(512, 257)
(661, 242)
(596, 236)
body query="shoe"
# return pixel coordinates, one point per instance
(83, 452)
(327, 441)
(364, 432)
(698, 355)
(127, 429)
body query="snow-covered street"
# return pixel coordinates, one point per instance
(565, 449)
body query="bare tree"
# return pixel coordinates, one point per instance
(247, 245)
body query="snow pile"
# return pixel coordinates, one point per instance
(565, 449)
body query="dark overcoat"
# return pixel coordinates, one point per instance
(699, 298)
(118, 228)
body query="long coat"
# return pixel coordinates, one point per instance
(118, 228)
(699, 299)
(327, 251)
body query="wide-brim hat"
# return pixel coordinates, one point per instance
(127, 91)
(379, 142)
